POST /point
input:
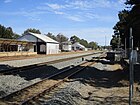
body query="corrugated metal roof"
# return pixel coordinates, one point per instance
(12, 41)
(43, 37)
(78, 44)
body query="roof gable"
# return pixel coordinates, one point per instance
(44, 38)
(78, 44)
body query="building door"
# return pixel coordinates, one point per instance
(34, 48)
(42, 48)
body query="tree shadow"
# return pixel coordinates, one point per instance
(40, 72)
(5, 67)
(91, 75)
(103, 78)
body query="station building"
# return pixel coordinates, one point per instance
(28, 44)
(66, 46)
(42, 44)
(78, 46)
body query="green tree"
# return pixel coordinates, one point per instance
(61, 38)
(33, 30)
(132, 2)
(51, 35)
(9, 32)
(6, 32)
(16, 36)
(114, 42)
(93, 45)
(121, 26)
(129, 18)
(134, 22)
(84, 42)
(74, 39)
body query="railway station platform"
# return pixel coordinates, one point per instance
(9, 54)
(30, 60)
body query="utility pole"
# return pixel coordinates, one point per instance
(131, 68)
(119, 42)
(105, 41)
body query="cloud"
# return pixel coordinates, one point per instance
(43, 8)
(75, 18)
(79, 4)
(89, 4)
(24, 13)
(100, 17)
(74, 9)
(121, 1)
(7, 1)
(30, 14)
(34, 18)
(59, 13)
(55, 6)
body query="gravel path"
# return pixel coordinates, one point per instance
(25, 62)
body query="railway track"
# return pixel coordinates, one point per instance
(23, 68)
(34, 91)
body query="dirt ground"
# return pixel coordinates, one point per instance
(108, 84)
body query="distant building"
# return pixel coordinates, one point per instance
(42, 44)
(78, 46)
(66, 46)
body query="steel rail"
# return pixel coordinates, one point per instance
(12, 96)
(25, 102)
(36, 97)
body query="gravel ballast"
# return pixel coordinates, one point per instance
(107, 86)
(11, 83)
(75, 93)
(100, 84)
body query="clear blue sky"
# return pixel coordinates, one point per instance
(88, 19)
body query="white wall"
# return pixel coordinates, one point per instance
(66, 47)
(52, 48)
